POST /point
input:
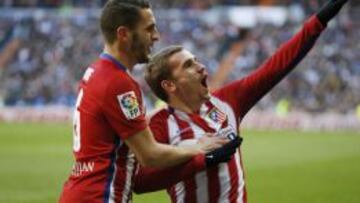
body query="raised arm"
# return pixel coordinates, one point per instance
(245, 93)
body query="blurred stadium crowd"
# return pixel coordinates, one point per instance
(198, 4)
(43, 53)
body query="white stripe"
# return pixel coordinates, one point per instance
(173, 131)
(112, 189)
(225, 183)
(200, 178)
(226, 108)
(198, 132)
(201, 181)
(180, 192)
(130, 166)
(174, 139)
(241, 177)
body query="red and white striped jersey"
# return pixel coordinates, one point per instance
(109, 109)
(223, 113)
(222, 183)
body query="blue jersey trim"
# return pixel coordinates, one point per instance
(114, 60)
(111, 170)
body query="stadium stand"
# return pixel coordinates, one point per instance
(45, 51)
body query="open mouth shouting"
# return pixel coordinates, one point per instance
(204, 81)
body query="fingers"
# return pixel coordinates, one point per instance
(211, 146)
(221, 140)
(210, 135)
(218, 140)
(218, 156)
(224, 153)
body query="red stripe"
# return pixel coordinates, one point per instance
(234, 180)
(190, 184)
(190, 191)
(172, 194)
(225, 123)
(233, 173)
(245, 195)
(221, 114)
(213, 184)
(162, 135)
(201, 123)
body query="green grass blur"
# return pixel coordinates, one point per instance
(281, 166)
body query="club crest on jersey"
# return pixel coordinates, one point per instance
(129, 105)
(216, 115)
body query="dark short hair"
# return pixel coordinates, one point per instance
(118, 13)
(158, 70)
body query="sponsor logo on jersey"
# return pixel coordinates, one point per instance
(80, 168)
(129, 105)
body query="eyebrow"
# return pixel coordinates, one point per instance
(151, 25)
(188, 62)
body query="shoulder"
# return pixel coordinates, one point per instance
(218, 99)
(112, 84)
(158, 117)
(222, 104)
(116, 81)
(103, 73)
(158, 122)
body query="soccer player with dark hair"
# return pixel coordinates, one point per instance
(177, 77)
(110, 131)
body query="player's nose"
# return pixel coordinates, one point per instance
(156, 35)
(202, 69)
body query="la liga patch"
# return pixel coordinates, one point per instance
(129, 105)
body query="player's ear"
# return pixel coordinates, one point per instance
(168, 86)
(122, 33)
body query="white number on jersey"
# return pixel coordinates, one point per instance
(76, 123)
(76, 119)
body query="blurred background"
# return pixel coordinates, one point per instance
(45, 46)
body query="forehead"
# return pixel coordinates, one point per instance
(179, 58)
(147, 17)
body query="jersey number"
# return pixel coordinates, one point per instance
(76, 123)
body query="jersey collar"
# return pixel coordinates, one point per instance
(118, 64)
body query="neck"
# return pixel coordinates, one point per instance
(185, 106)
(121, 55)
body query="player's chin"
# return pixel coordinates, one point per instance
(205, 93)
(145, 58)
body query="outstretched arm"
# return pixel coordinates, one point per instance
(245, 93)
